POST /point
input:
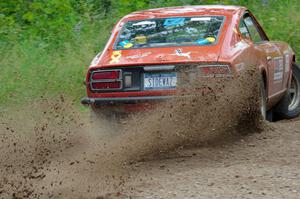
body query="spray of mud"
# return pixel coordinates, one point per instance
(206, 112)
(50, 151)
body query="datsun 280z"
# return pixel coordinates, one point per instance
(138, 64)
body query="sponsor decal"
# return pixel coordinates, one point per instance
(126, 44)
(278, 73)
(287, 63)
(138, 56)
(144, 26)
(201, 19)
(206, 41)
(179, 53)
(141, 39)
(129, 45)
(174, 22)
(115, 57)
(211, 39)
(144, 23)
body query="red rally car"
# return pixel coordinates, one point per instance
(138, 64)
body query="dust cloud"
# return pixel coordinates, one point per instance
(50, 149)
(194, 117)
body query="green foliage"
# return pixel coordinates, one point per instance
(37, 19)
(46, 45)
(30, 71)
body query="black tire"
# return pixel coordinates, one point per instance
(289, 106)
(265, 113)
(263, 99)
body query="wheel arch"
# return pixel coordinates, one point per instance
(265, 78)
(294, 58)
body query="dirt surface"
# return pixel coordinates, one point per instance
(209, 145)
(260, 165)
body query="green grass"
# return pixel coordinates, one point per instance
(31, 68)
(30, 71)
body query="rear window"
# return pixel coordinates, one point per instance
(168, 32)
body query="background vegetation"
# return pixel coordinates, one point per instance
(46, 45)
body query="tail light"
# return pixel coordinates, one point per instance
(106, 80)
(106, 75)
(106, 85)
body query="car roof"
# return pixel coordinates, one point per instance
(187, 11)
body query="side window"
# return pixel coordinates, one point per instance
(253, 29)
(244, 30)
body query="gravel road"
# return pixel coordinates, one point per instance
(260, 165)
(53, 153)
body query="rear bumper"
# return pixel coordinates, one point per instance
(122, 100)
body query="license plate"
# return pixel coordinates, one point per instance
(159, 81)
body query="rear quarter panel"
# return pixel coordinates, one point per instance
(235, 50)
(288, 57)
(242, 54)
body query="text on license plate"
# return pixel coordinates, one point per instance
(155, 81)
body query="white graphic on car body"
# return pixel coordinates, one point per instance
(179, 53)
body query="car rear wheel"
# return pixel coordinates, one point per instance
(263, 100)
(265, 113)
(289, 106)
(294, 93)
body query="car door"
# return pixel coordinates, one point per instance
(273, 56)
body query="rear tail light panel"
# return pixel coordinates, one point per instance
(131, 78)
(106, 80)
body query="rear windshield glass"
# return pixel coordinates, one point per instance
(182, 31)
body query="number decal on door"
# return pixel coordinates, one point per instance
(278, 72)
